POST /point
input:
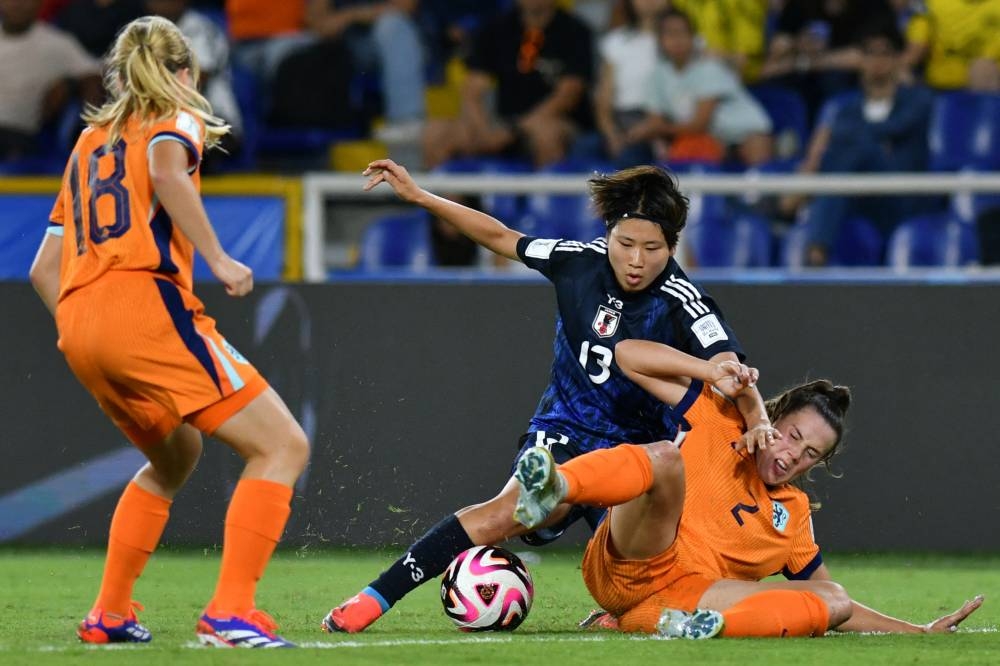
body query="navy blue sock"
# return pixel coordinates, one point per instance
(426, 559)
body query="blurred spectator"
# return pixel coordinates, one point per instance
(628, 56)
(733, 31)
(958, 43)
(264, 33)
(814, 48)
(696, 103)
(39, 66)
(211, 48)
(541, 59)
(880, 128)
(381, 36)
(450, 26)
(95, 23)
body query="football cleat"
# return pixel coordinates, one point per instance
(100, 627)
(542, 488)
(354, 615)
(600, 619)
(682, 624)
(256, 630)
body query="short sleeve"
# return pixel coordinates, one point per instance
(185, 128)
(549, 255)
(58, 215)
(714, 80)
(805, 556)
(699, 326)
(656, 91)
(918, 30)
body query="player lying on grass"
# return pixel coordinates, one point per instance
(626, 285)
(695, 527)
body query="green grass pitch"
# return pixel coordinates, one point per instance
(45, 592)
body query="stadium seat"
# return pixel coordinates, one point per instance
(397, 241)
(572, 213)
(986, 144)
(858, 244)
(740, 242)
(789, 118)
(933, 240)
(507, 208)
(700, 206)
(956, 120)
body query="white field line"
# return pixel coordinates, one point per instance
(460, 640)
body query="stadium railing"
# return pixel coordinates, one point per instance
(318, 188)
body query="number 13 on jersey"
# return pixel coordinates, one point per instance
(602, 356)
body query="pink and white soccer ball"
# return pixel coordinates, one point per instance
(487, 589)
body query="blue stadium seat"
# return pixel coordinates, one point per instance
(397, 241)
(933, 240)
(700, 206)
(789, 118)
(986, 143)
(507, 208)
(570, 212)
(960, 130)
(740, 242)
(858, 244)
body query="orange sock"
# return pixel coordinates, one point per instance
(255, 520)
(778, 614)
(135, 532)
(607, 477)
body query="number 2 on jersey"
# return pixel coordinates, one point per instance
(602, 356)
(99, 187)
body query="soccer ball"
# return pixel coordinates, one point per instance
(487, 589)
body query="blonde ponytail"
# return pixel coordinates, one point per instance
(140, 75)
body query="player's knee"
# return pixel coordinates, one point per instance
(294, 448)
(668, 465)
(837, 600)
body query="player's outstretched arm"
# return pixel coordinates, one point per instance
(868, 620)
(480, 227)
(168, 171)
(666, 372)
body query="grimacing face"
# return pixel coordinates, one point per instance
(806, 438)
(638, 252)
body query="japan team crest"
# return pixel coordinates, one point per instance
(606, 322)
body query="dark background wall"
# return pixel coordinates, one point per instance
(416, 394)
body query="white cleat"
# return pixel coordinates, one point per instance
(542, 488)
(695, 626)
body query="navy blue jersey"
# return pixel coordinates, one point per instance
(588, 397)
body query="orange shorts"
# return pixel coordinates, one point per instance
(620, 585)
(145, 350)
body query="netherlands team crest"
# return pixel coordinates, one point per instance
(606, 322)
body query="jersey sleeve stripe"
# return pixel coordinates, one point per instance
(806, 571)
(683, 299)
(183, 140)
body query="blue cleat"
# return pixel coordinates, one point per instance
(100, 627)
(256, 630)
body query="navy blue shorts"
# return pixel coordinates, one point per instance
(562, 449)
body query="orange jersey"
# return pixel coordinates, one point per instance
(111, 218)
(733, 525)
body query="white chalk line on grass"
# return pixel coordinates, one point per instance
(404, 642)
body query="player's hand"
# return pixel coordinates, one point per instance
(237, 277)
(387, 171)
(949, 623)
(731, 377)
(760, 436)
